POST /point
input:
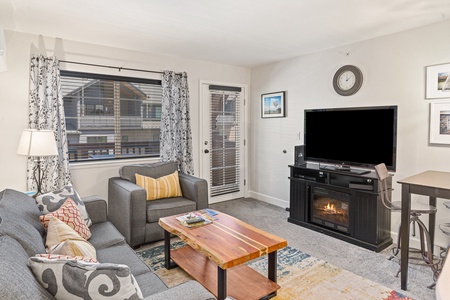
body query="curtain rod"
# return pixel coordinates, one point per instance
(112, 67)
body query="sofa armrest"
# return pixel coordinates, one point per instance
(190, 290)
(195, 189)
(127, 204)
(97, 208)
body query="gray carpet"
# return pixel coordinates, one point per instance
(366, 263)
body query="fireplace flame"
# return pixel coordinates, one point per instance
(329, 208)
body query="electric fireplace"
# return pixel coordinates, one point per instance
(330, 209)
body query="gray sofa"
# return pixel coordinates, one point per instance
(135, 217)
(22, 236)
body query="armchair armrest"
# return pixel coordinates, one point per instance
(96, 208)
(195, 189)
(127, 209)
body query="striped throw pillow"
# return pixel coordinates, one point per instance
(163, 187)
(63, 240)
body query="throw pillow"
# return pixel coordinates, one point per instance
(62, 239)
(68, 279)
(66, 257)
(51, 201)
(69, 214)
(163, 187)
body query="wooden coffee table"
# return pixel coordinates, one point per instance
(215, 255)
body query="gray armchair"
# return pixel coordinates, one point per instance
(135, 217)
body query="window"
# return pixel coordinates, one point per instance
(111, 117)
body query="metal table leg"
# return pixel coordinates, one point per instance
(168, 263)
(221, 283)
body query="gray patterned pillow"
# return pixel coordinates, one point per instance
(51, 201)
(65, 279)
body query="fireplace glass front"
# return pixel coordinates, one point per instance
(330, 209)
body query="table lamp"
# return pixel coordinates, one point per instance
(38, 144)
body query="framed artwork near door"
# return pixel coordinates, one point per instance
(438, 81)
(272, 105)
(440, 123)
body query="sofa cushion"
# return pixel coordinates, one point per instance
(69, 214)
(163, 187)
(51, 201)
(150, 283)
(123, 254)
(105, 235)
(154, 170)
(167, 207)
(189, 290)
(16, 279)
(66, 279)
(19, 219)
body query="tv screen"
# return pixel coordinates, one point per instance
(356, 136)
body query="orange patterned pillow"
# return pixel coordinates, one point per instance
(70, 214)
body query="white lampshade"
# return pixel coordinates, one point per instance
(37, 143)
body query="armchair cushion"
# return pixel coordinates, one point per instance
(154, 170)
(163, 187)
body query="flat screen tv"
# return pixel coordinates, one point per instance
(353, 136)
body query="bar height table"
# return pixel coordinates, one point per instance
(434, 184)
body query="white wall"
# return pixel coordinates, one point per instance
(394, 73)
(92, 178)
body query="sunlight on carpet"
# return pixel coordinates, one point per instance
(300, 276)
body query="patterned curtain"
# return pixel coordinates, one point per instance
(176, 135)
(47, 112)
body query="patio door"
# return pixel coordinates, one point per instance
(222, 143)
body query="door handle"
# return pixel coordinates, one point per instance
(206, 151)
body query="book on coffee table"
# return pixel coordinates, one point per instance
(190, 219)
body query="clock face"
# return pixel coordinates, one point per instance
(347, 80)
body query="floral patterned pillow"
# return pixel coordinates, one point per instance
(51, 201)
(69, 279)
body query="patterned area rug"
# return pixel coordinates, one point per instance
(300, 276)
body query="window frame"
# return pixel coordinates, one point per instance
(116, 78)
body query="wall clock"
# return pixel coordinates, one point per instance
(347, 80)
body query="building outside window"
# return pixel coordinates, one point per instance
(111, 117)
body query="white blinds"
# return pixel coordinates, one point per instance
(111, 117)
(224, 143)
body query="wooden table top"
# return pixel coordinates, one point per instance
(227, 241)
(435, 179)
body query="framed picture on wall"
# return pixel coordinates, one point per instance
(438, 81)
(272, 105)
(440, 123)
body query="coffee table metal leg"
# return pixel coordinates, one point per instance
(169, 264)
(272, 266)
(221, 283)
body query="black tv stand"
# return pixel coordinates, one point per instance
(345, 168)
(369, 221)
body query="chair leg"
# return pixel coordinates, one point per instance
(396, 249)
(427, 251)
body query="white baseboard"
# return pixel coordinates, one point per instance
(268, 199)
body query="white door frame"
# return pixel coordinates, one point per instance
(244, 161)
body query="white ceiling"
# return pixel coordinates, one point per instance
(239, 32)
